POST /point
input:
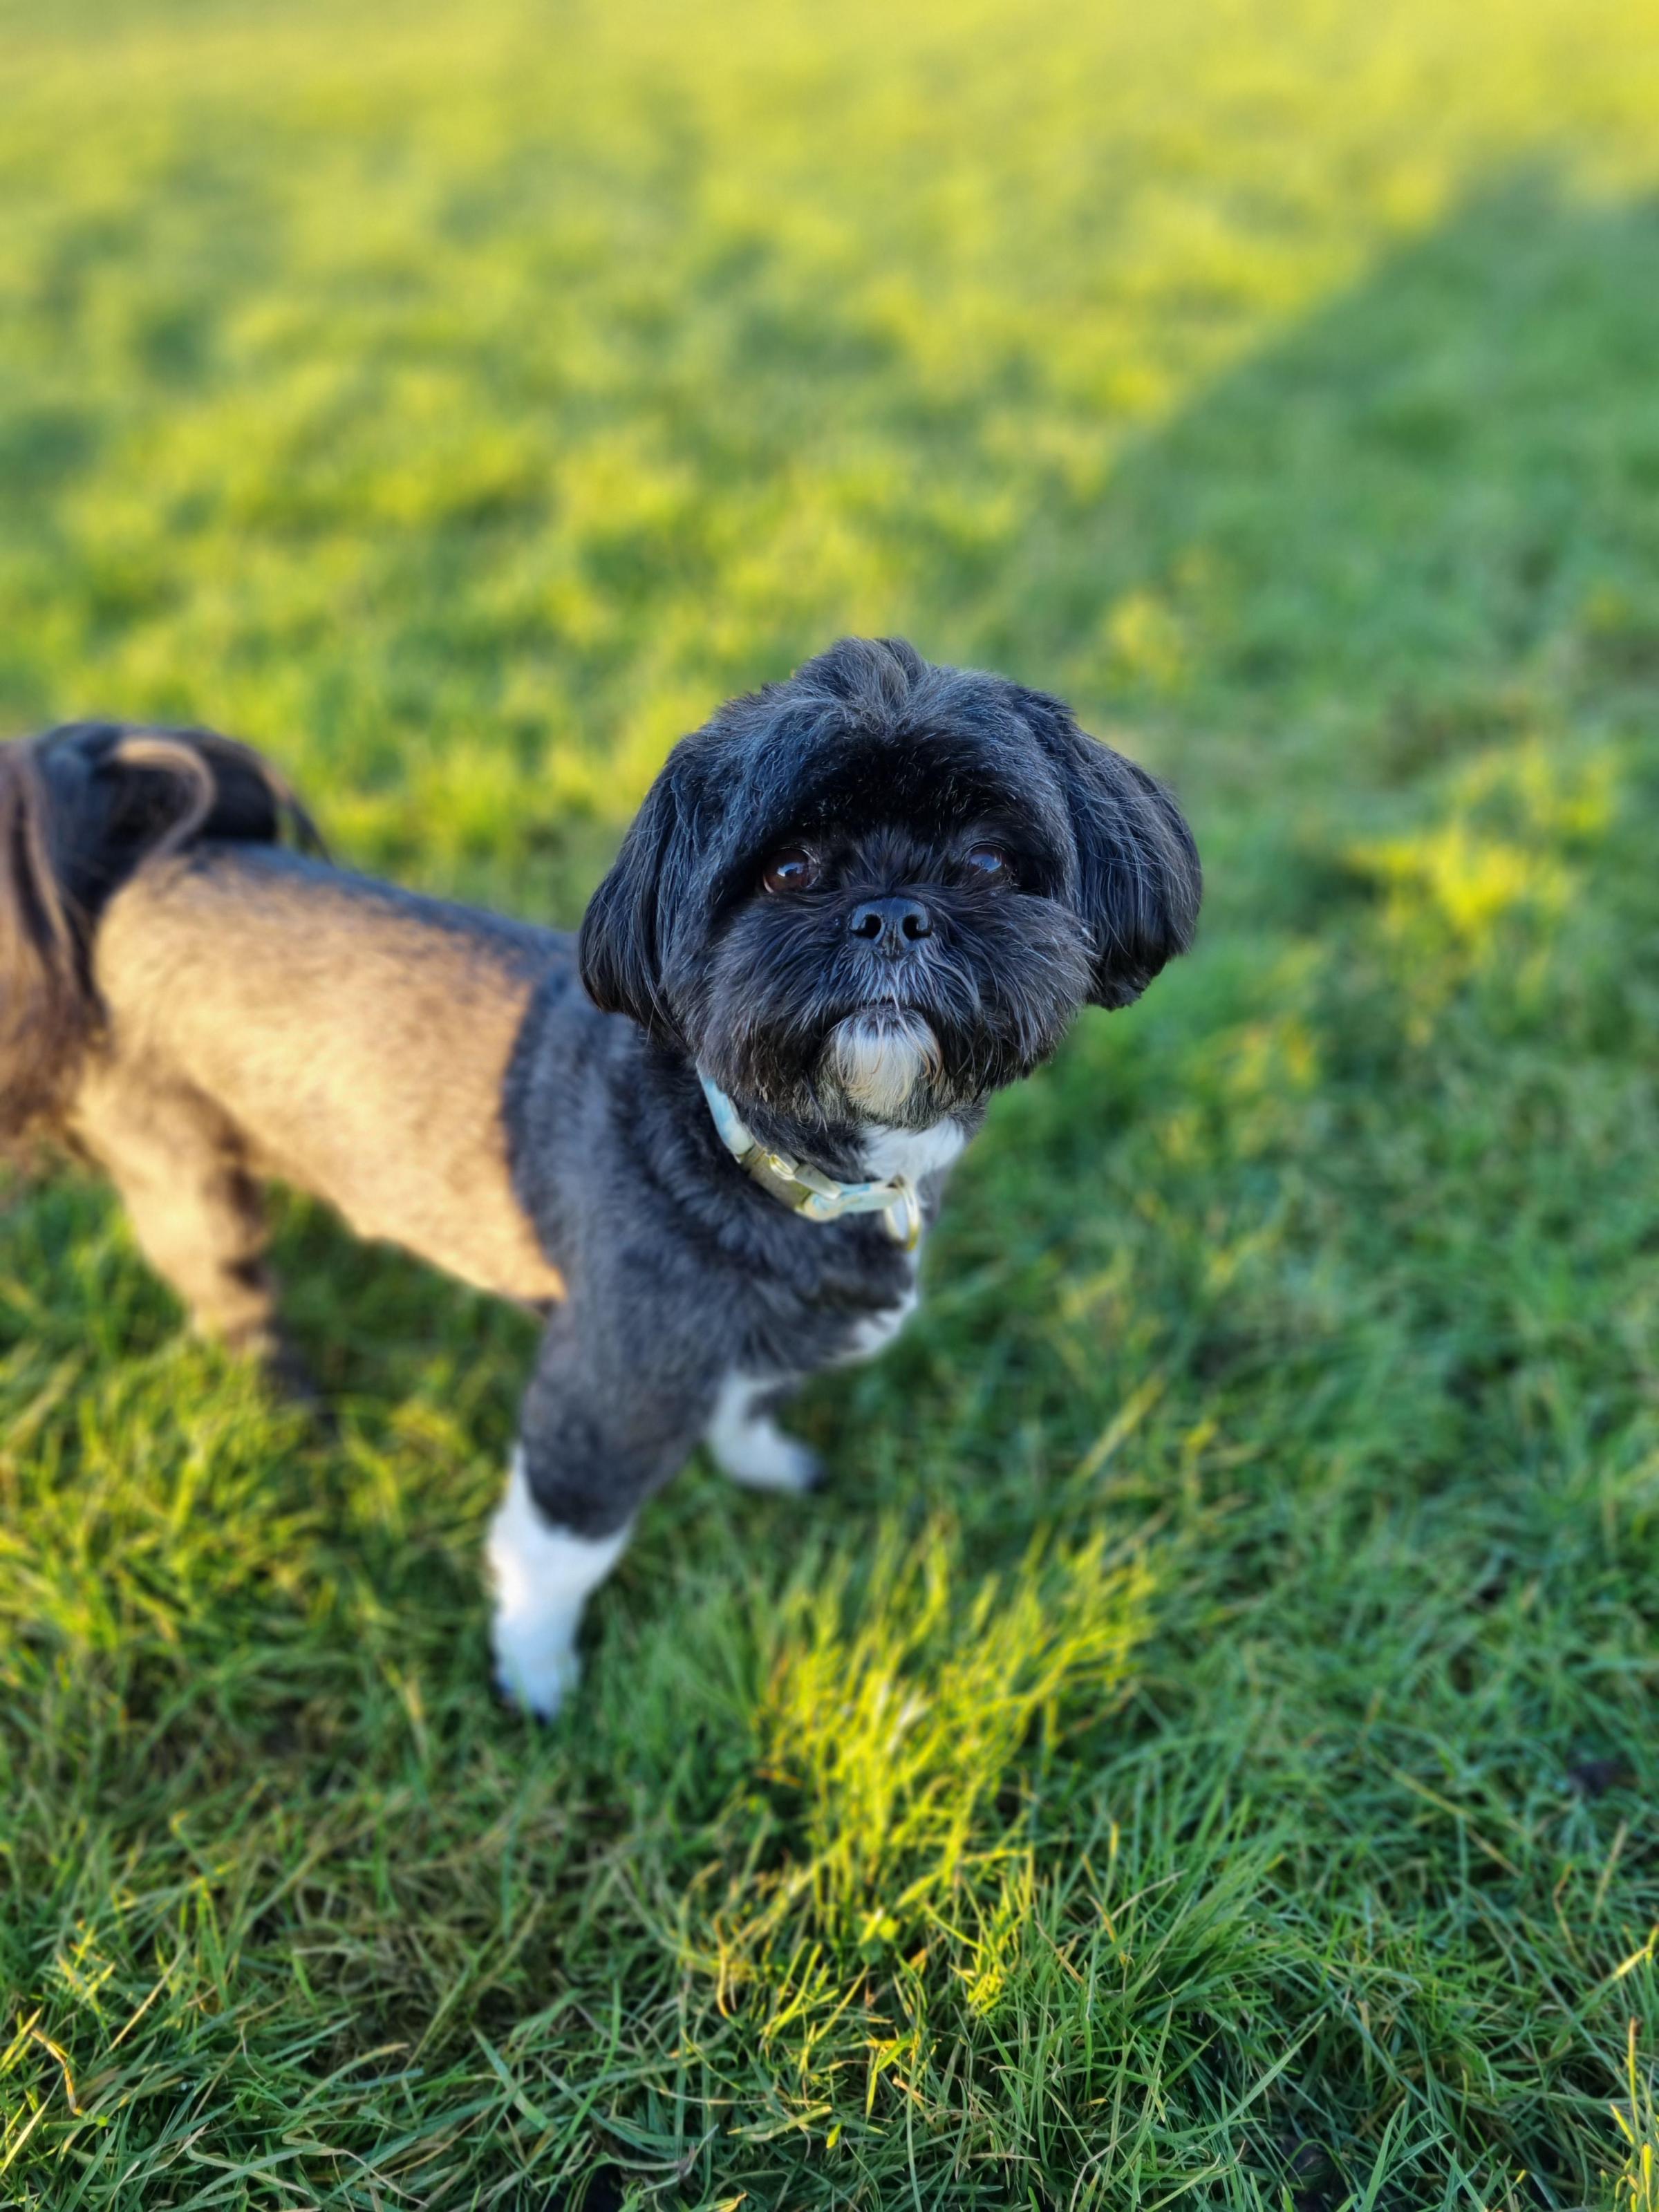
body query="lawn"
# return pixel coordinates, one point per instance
(1201, 1749)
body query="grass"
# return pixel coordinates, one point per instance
(1201, 1750)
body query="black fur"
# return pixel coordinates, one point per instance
(888, 764)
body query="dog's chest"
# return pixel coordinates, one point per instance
(873, 1333)
(914, 1154)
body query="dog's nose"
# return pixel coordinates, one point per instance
(891, 925)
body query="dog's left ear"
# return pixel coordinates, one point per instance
(1140, 880)
(625, 933)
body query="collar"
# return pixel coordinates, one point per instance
(807, 1190)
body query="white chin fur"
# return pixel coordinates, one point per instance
(880, 1059)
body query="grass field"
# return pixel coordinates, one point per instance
(1202, 1748)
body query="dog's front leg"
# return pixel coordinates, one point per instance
(594, 1443)
(747, 1444)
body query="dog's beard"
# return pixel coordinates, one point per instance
(781, 1012)
(880, 1061)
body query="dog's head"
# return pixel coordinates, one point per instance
(880, 890)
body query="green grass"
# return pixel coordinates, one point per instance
(1201, 1749)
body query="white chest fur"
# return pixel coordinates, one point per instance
(912, 1153)
(915, 1154)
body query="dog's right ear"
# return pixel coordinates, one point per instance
(1140, 880)
(625, 930)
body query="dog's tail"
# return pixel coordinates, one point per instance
(82, 809)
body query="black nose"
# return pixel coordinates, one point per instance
(891, 925)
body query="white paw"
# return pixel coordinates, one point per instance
(752, 1448)
(542, 1575)
(775, 1462)
(537, 1681)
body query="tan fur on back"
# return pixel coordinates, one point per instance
(358, 1049)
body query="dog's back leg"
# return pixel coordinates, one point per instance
(177, 1161)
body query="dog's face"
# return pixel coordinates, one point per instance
(880, 890)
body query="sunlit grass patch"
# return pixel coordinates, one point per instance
(1516, 819)
(894, 1723)
(1638, 2121)
(1468, 883)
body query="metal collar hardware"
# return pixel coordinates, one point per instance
(807, 1190)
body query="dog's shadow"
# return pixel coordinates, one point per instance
(376, 1327)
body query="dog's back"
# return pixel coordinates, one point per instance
(358, 1037)
(196, 1007)
(82, 809)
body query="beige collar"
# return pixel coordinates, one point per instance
(807, 1190)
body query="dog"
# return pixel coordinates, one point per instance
(704, 1138)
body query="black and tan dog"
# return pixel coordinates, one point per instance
(852, 906)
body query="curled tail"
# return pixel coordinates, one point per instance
(82, 809)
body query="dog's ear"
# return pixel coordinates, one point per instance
(625, 930)
(1140, 881)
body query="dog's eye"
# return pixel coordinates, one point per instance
(790, 870)
(989, 861)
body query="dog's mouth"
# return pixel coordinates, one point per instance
(882, 1058)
